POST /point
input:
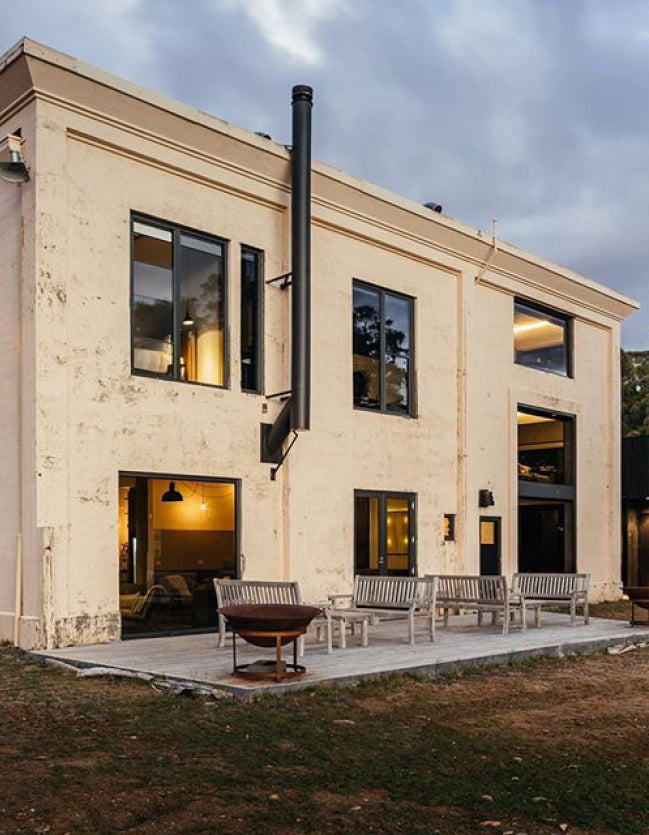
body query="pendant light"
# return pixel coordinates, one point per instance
(172, 495)
(188, 321)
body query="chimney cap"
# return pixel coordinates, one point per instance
(302, 92)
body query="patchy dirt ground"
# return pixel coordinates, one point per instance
(544, 748)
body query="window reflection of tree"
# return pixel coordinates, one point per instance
(366, 344)
(367, 331)
(152, 318)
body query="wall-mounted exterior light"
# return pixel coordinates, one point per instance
(486, 498)
(12, 164)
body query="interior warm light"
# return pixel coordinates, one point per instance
(203, 506)
(528, 326)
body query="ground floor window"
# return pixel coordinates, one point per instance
(175, 537)
(384, 533)
(546, 536)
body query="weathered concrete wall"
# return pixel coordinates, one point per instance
(84, 418)
(10, 261)
(17, 401)
(497, 386)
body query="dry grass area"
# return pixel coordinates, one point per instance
(531, 749)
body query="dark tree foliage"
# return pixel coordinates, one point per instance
(635, 393)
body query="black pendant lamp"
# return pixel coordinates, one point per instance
(188, 320)
(172, 495)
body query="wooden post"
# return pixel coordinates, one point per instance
(18, 609)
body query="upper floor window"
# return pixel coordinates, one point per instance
(383, 354)
(541, 338)
(178, 304)
(251, 319)
(546, 444)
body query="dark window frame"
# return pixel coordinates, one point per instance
(412, 397)
(176, 231)
(539, 490)
(383, 496)
(261, 284)
(566, 318)
(238, 522)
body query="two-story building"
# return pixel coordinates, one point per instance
(187, 393)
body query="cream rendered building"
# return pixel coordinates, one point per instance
(141, 345)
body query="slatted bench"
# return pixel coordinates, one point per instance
(565, 590)
(242, 592)
(387, 597)
(480, 594)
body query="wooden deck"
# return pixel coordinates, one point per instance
(197, 659)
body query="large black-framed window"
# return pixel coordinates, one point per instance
(252, 286)
(546, 449)
(383, 350)
(385, 539)
(542, 338)
(178, 303)
(176, 535)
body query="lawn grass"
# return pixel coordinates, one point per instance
(529, 748)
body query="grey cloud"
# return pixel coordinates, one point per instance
(532, 112)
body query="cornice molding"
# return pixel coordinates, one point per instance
(152, 162)
(282, 186)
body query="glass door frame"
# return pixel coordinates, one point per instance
(382, 496)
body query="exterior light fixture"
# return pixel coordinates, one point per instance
(485, 498)
(172, 495)
(13, 169)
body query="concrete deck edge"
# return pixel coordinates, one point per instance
(426, 669)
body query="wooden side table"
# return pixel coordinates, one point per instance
(343, 617)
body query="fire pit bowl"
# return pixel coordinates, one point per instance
(269, 625)
(275, 618)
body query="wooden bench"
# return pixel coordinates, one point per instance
(480, 594)
(569, 590)
(242, 592)
(393, 597)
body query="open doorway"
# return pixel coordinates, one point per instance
(175, 537)
(545, 534)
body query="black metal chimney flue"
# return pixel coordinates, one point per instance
(302, 102)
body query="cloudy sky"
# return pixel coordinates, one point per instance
(530, 111)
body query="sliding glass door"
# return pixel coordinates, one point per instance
(384, 533)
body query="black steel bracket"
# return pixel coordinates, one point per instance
(282, 394)
(275, 470)
(285, 278)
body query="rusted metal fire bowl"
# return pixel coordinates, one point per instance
(270, 617)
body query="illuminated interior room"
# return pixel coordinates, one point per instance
(175, 537)
(541, 339)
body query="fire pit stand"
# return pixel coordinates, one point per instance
(281, 667)
(271, 625)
